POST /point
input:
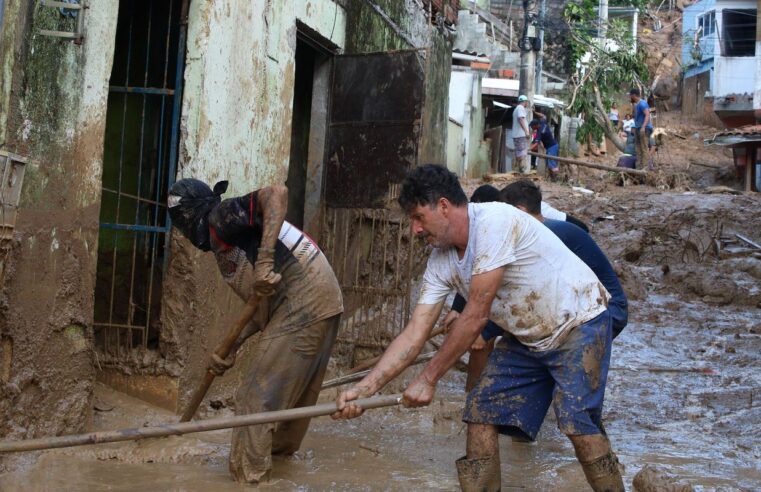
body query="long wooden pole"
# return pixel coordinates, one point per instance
(138, 433)
(222, 351)
(576, 162)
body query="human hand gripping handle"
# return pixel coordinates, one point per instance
(218, 366)
(347, 409)
(419, 393)
(265, 277)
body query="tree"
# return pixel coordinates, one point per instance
(604, 68)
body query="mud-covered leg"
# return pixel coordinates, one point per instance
(288, 436)
(479, 470)
(282, 368)
(599, 462)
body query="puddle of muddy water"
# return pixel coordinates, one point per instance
(700, 427)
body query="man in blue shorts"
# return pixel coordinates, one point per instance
(544, 134)
(516, 272)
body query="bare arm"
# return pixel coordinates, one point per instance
(397, 357)
(647, 118)
(273, 204)
(467, 326)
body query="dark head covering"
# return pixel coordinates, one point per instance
(190, 201)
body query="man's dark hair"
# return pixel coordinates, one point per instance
(426, 184)
(524, 193)
(634, 92)
(534, 122)
(485, 193)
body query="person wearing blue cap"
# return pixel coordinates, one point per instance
(521, 135)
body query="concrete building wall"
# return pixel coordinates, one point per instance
(52, 112)
(236, 125)
(732, 75)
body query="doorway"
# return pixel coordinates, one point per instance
(139, 163)
(308, 127)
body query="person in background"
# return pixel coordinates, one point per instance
(521, 135)
(643, 128)
(626, 126)
(545, 136)
(613, 115)
(527, 196)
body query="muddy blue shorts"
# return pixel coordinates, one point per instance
(518, 384)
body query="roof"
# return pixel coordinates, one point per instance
(500, 87)
(735, 136)
(511, 88)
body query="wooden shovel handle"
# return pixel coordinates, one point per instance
(222, 351)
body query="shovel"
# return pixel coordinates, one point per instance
(222, 351)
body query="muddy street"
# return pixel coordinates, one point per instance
(214, 208)
(683, 390)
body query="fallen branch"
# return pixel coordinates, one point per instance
(576, 162)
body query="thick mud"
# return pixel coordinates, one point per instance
(683, 402)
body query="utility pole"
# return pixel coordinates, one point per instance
(540, 54)
(757, 85)
(602, 29)
(528, 59)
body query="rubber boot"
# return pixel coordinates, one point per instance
(603, 474)
(479, 474)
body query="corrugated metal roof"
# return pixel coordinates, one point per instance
(734, 136)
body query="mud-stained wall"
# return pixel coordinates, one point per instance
(53, 112)
(236, 125)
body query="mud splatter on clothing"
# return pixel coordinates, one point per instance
(308, 292)
(546, 290)
(518, 385)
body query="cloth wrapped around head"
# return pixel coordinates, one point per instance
(190, 201)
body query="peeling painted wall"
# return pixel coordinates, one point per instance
(54, 100)
(236, 125)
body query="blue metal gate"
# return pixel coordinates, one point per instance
(139, 166)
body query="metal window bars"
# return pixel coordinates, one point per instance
(140, 158)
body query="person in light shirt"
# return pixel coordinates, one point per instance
(515, 271)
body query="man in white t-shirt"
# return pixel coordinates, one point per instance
(521, 135)
(512, 269)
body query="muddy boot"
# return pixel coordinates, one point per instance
(603, 474)
(480, 474)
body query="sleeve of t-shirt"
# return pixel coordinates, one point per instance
(434, 289)
(550, 212)
(495, 242)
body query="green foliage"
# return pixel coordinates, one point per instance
(603, 72)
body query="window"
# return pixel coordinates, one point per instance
(738, 33)
(707, 24)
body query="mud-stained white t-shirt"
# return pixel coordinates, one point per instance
(547, 290)
(550, 212)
